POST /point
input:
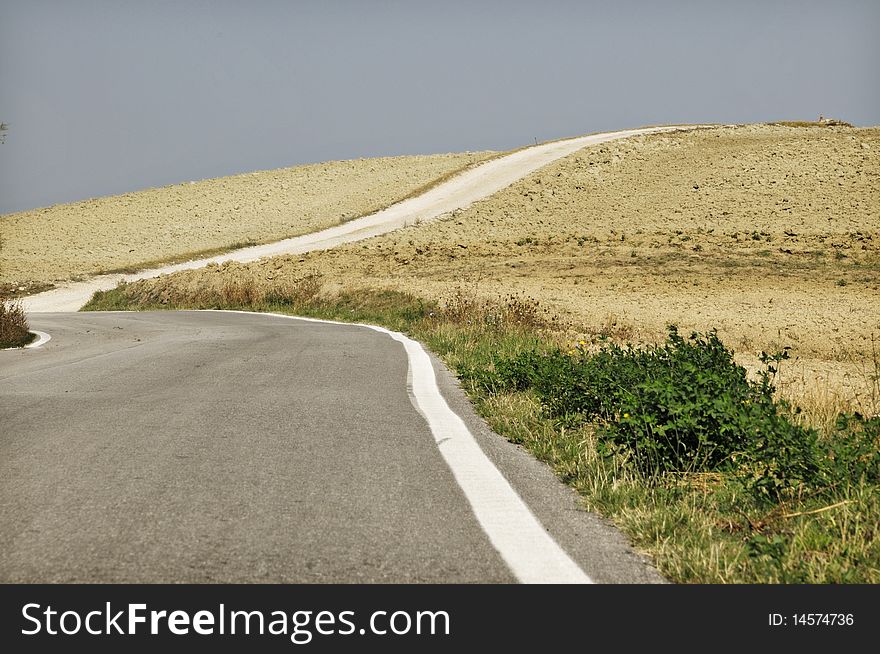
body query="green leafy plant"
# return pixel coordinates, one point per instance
(683, 406)
(853, 450)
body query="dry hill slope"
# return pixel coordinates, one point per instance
(128, 231)
(770, 234)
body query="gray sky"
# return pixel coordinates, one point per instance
(104, 97)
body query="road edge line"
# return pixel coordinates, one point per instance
(530, 552)
(42, 339)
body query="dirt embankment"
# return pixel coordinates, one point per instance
(769, 234)
(127, 231)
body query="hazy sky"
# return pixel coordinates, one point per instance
(104, 97)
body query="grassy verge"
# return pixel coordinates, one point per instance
(704, 469)
(13, 325)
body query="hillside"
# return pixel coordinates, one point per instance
(769, 234)
(175, 222)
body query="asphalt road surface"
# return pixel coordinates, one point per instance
(227, 447)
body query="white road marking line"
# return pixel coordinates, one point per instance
(532, 555)
(42, 339)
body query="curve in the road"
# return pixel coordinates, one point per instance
(41, 339)
(237, 446)
(458, 193)
(528, 550)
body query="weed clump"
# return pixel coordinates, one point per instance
(686, 407)
(518, 312)
(13, 325)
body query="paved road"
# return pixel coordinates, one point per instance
(457, 193)
(223, 447)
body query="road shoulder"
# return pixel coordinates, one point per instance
(598, 547)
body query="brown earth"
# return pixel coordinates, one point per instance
(174, 222)
(770, 234)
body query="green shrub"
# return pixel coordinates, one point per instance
(681, 406)
(853, 450)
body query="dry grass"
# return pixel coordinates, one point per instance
(822, 399)
(13, 325)
(224, 291)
